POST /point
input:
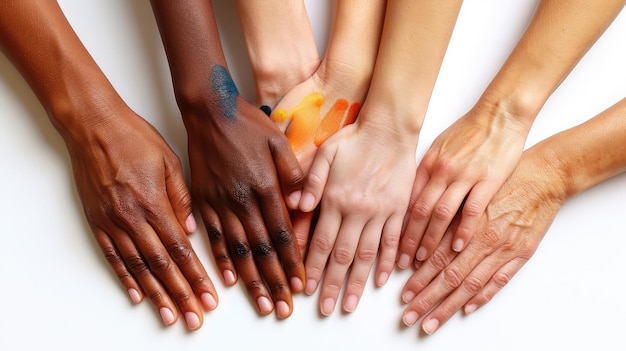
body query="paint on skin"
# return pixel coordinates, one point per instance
(306, 125)
(224, 86)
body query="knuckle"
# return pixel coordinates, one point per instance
(356, 284)
(342, 256)
(283, 238)
(473, 285)
(490, 237)
(390, 241)
(442, 212)
(181, 254)
(159, 264)
(366, 254)
(472, 208)
(451, 278)
(439, 260)
(255, 287)
(110, 254)
(420, 210)
(136, 265)
(314, 180)
(241, 196)
(262, 250)
(183, 298)
(214, 234)
(156, 297)
(241, 250)
(321, 244)
(279, 289)
(501, 279)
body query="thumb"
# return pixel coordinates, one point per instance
(180, 198)
(289, 172)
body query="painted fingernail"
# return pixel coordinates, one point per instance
(306, 202)
(470, 308)
(350, 303)
(294, 199)
(229, 277)
(382, 279)
(296, 284)
(310, 286)
(282, 309)
(135, 297)
(408, 296)
(404, 261)
(192, 320)
(191, 224)
(430, 326)
(410, 318)
(265, 306)
(458, 245)
(328, 305)
(167, 315)
(208, 301)
(421, 254)
(266, 109)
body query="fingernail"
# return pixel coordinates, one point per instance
(382, 278)
(135, 297)
(421, 254)
(191, 224)
(192, 320)
(229, 277)
(430, 326)
(328, 305)
(265, 306)
(350, 303)
(294, 199)
(410, 318)
(458, 245)
(404, 261)
(167, 315)
(282, 309)
(306, 202)
(208, 301)
(408, 296)
(310, 286)
(470, 308)
(296, 284)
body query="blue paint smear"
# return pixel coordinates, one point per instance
(223, 85)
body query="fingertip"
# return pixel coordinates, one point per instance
(191, 224)
(208, 301)
(458, 245)
(293, 200)
(134, 295)
(296, 284)
(229, 277)
(307, 202)
(167, 316)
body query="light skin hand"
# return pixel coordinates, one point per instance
(516, 220)
(557, 37)
(363, 201)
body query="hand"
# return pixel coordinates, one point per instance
(241, 164)
(463, 168)
(138, 206)
(507, 235)
(362, 175)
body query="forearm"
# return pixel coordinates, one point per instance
(41, 44)
(280, 44)
(414, 41)
(353, 44)
(589, 153)
(558, 36)
(194, 52)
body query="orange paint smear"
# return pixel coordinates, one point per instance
(352, 113)
(305, 119)
(331, 123)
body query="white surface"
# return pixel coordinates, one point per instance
(58, 292)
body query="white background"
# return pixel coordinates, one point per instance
(57, 291)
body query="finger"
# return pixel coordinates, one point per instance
(116, 261)
(179, 197)
(317, 177)
(167, 257)
(302, 224)
(501, 278)
(321, 245)
(289, 172)
(443, 212)
(150, 284)
(472, 285)
(388, 249)
(472, 211)
(364, 258)
(186, 261)
(244, 262)
(219, 245)
(280, 232)
(339, 262)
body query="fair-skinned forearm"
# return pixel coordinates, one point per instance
(280, 44)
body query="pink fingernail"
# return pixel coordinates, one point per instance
(265, 306)
(192, 320)
(306, 202)
(404, 261)
(191, 224)
(167, 315)
(430, 326)
(135, 297)
(208, 301)
(282, 309)
(294, 199)
(350, 303)
(296, 284)
(328, 305)
(421, 254)
(458, 245)
(229, 277)
(410, 318)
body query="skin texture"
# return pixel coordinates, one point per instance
(129, 181)
(361, 176)
(472, 158)
(516, 219)
(241, 163)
